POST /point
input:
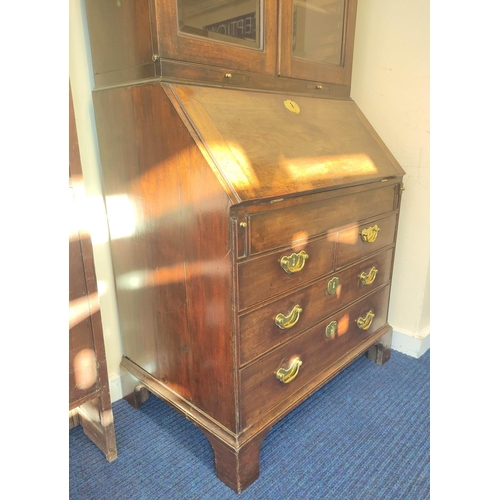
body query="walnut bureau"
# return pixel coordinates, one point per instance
(253, 226)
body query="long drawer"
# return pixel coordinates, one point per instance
(301, 360)
(259, 331)
(282, 227)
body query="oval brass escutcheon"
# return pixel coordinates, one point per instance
(368, 279)
(332, 285)
(369, 235)
(287, 321)
(286, 375)
(331, 329)
(292, 106)
(366, 322)
(294, 263)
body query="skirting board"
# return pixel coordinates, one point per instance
(115, 387)
(121, 384)
(413, 346)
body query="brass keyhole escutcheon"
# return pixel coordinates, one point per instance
(333, 285)
(292, 106)
(331, 329)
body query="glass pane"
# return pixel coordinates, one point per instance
(318, 27)
(232, 21)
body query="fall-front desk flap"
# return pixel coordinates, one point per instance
(268, 145)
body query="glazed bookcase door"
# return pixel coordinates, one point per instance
(236, 34)
(317, 39)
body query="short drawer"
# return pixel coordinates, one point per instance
(314, 351)
(259, 332)
(263, 277)
(281, 227)
(362, 239)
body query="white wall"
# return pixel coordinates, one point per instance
(390, 84)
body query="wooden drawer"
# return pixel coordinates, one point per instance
(260, 388)
(280, 228)
(353, 244)
(262, 278)
(258, 330)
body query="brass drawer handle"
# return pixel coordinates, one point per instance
(368, 279)
(332, 285)
(294, 263)
(369, 235)
(366, 322)
(331, 329)
(290, 319)
(286, 375)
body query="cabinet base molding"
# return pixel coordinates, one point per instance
(236, 455)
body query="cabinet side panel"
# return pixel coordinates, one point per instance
(169, 230)
(120, 35)
(208, 262)
(140, 185)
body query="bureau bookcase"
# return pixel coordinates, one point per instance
(253, 210)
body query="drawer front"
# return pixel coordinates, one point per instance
(260, 388)
(259, 332)
(261, 278)
(362, 239)
(280, 228)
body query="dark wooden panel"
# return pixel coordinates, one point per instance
(266, 151)
(258, 330)
(208, 274)
(120, 34)
(140, 218)
(83, 380)
(83, 374)
(298, 223)
(261, 390)
(173, 271)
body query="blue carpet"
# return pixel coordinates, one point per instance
(365, 435)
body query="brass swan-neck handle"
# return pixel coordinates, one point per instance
(287, 321)
(294, 263)
(366, 322)
(368, 278)
(369, 235)
(286, 375)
